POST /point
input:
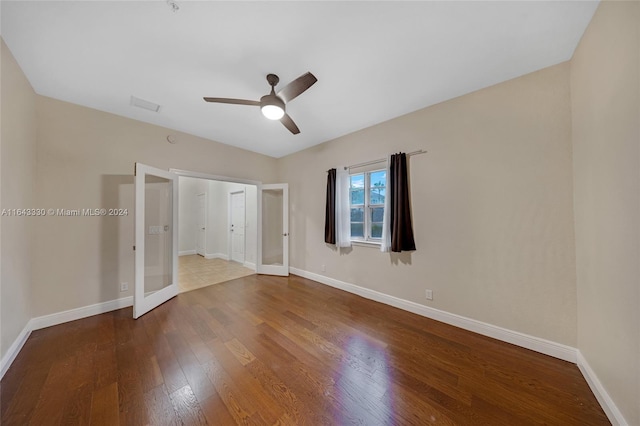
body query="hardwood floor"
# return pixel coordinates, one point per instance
(264, 350)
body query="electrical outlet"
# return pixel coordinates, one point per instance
(323, 268)
(429, 294)
(124, 286)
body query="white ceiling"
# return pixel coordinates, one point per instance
(374, 60)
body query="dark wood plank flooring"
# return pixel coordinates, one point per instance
(264, 350)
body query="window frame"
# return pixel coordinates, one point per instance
(367, 207)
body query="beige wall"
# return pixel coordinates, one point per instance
(18, 171)
(492, 207)
(606, 144)
(85, 160)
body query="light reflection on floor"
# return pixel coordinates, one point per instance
(364, 381)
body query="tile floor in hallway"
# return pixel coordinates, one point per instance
(194, 271)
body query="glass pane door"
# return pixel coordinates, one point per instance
(156, 216)
(273, 244)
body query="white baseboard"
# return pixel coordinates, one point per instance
(58, 318)
(79, 313)
(186, 252)
(216, 256)
(14, 349)
(547, 347)
(606, 402)
(250, 265)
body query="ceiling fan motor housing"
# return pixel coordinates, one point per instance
(272, 99)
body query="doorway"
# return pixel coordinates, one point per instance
(270, 252)
(217, 231)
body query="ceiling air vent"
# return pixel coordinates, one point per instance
(141, 103)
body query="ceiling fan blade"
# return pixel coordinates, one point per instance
(296, 87)
(289, 124)
(233, 101)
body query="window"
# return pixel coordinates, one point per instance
(367, 192)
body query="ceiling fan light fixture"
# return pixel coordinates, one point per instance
(272, 106)
(272, 112)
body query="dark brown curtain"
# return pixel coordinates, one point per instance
(330, 212)
(400, 205)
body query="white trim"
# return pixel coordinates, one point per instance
(189, 173)
(547, 347)
(362, 243)
(601, 394)
(249, 265)
(79, 313)
(186, 252)
(210, 256)
(55, 319)
(14, 349)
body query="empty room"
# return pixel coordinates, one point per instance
(320, 212)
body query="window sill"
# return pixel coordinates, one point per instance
(365, 243)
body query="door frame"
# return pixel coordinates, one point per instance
(229, 233)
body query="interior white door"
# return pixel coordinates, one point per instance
(201, 211)
(236, 226)
(273, 236)
(156, 239)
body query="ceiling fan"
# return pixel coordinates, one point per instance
(273, 106)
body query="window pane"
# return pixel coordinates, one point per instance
(357, 196)
(377, 214)
(357, 230)
(376, 230)
(377, 195)
(378, 178)
(357, 181)
(357, 214)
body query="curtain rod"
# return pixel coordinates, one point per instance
(368, 163)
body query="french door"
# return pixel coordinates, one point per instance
(156, 238)
(156, 233)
